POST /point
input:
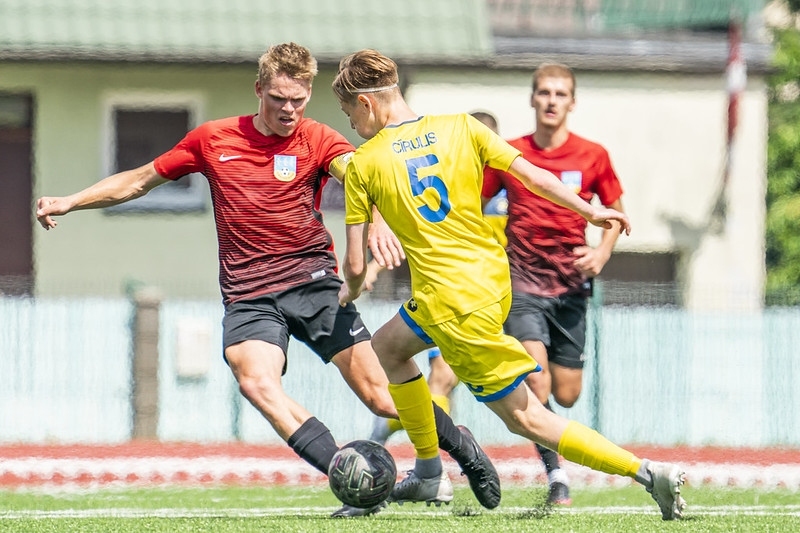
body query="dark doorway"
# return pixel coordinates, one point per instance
(16, 195)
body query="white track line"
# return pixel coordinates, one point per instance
(69, 473)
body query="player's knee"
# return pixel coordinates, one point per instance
(379, 401)
(375, 396)
(515, 425)
(383, 408)
(255, 388)
(442, 387)
(566, 398)
(565, 403)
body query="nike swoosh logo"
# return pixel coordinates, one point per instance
(356, 332)
(224, 157)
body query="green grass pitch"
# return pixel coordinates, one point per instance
(307, 509)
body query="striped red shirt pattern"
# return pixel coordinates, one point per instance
(541, 235)
(266, 208)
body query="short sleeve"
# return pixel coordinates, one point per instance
(358, 207)
(184, 158)
(609, 188)
(328, 144)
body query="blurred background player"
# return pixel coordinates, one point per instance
(551, 265)
(496, 209)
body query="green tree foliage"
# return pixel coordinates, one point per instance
(783, 171)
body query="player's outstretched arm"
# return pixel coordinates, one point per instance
(112, 190)
(590, 261)
(545, 184)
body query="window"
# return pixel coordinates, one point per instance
(638, 278)
(332, 196)
(138, 129)
(16, 194)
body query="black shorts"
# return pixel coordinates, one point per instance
(309, 312)
(560, 323)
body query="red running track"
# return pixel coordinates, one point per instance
(158, 463)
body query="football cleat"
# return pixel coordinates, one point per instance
(348, 511)
(666, 489)
(482, 476)
(559, 494)
(436, 490)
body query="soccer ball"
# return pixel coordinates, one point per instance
(362, 474)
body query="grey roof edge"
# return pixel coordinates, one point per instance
(692, 55)
(509, 53)
(112, 55)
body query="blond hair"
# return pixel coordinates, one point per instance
(365, 71)
(553, 70)
(290, 59)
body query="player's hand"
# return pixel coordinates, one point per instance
(373, 268)
(385, 247)
(603, 217)
(346, 296)
(590, 261)
(47, 207)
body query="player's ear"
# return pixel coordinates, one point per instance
(365, 101)
(258, 89)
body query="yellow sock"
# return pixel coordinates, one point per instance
(587, 447)
(441, 401)
(413, 403)
(394, 425)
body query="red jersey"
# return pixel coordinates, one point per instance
(266, 192)
(541, 235)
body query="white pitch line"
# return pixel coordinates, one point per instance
(726, 510)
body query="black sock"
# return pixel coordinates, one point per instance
(450, 436)
(314, 443)
(549, 457)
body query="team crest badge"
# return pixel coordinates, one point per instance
(285, 167)
(476, 389)
(412, 305)
(572, 179)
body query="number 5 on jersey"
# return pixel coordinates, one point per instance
(419, 185)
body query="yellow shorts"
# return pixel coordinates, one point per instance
(490, 363)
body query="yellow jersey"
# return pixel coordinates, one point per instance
(425, 178)
(496, 213)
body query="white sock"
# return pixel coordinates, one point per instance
(557, 476)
